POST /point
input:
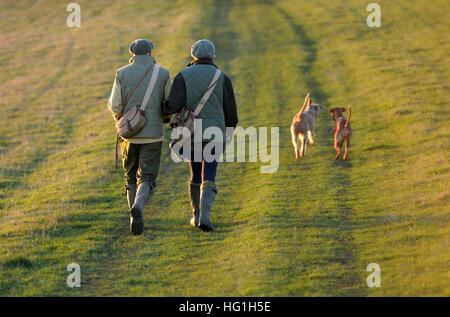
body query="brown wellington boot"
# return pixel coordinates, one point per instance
(194, 197)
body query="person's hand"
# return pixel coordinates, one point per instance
(167, 118)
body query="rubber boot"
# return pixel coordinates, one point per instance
(208, 192)
(144, 191)
(131, 194)
(194, 197)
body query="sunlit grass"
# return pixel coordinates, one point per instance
(309, 229)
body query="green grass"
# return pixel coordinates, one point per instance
(310, 229)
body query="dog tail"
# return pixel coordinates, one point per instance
(349, 115)
(307, 100)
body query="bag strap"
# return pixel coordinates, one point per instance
(129, 96)
(208, 92)
(150, 87)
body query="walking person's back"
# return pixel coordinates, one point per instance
(190, 89)
(141, 153)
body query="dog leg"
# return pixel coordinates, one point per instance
(295, 144)
(311, 137)
(346, 148)
(303, 141)
(337, 147)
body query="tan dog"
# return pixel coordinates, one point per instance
(302, 127)
(341, 129)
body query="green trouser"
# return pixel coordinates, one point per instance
(141, 162)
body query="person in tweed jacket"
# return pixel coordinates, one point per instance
(140, 154)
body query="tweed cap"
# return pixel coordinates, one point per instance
(141, 47)
(203, 49)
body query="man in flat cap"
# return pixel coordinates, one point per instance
(141, 153)
(189, 87)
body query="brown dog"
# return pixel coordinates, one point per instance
(341, 129)
(302, 127)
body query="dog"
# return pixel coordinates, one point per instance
(302, 127)
(342, 130)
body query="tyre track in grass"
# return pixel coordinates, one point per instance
(345, 280)
(265, 90)
(235, 253)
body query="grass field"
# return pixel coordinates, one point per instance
(310, 229)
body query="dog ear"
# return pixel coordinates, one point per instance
(342, 109)
(333, 116)
(317, 107)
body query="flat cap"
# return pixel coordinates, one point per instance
(203, 49)
(141, 47)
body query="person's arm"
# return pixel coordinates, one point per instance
(115, 100)
(167, 88)
(177, 97)
(229, 103)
